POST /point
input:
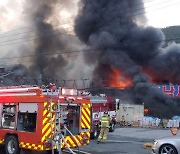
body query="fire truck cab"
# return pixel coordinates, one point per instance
(43, 119)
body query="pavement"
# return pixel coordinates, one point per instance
(128, 141)
(143, 133)
(124, 140)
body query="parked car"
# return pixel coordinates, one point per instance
(169, 145)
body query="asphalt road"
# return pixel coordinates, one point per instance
(122, 141)
(118, 145)
(127, 141)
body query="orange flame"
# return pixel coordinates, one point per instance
(118, 80)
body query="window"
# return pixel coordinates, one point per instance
(8, 116)
(26, 121)
(27, 116)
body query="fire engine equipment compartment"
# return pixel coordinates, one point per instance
(8, 116)
(71, 119)
(27, 116)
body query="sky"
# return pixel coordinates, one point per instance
(160, 13)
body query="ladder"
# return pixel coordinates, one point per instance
(56, 133)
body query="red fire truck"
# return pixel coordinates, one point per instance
(98, 106)
(43, 119)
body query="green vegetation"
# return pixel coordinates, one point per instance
(173, 33)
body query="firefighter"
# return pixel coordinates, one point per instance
(104, 125)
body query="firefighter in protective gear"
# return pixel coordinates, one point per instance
(104, 125)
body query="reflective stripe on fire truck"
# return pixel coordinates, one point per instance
(85, 116)
(30, 146)
(46, 130)
(72, 141)
(85, 124)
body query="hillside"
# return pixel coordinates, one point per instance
(172, 32)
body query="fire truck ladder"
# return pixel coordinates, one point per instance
(56, 134)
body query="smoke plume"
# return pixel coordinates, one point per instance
(122, 43)
(47, 51)
(49, 41)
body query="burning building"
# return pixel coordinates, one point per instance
(130, 53)
(123, 53)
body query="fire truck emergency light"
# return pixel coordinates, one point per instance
(69, 92)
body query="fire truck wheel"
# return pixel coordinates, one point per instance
(112, 127)
(12, 145)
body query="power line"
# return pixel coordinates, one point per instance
(82, 54)
(72, 22)
(34, 30)
(150, 6)
(60, 33)
(93, 49)
(34, 36)
(30, 61)
(154, 10)
(57, 53)
(28, 27)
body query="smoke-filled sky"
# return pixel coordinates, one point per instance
(43, 16)
(160, 13)
(42, 29)
(123, 41)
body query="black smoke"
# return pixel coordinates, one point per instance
(48, 52)
(165, 65)
(110, 26)
(126, 44)
(45, 62)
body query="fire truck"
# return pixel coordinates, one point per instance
(43, 119)
(99, 104)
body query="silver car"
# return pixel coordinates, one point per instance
(169, 145)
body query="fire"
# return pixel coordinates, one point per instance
(151, 76)
(118, 80)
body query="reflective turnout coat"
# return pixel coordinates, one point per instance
(105, 121)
